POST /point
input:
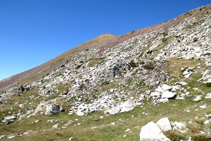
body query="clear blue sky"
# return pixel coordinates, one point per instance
(33, 32)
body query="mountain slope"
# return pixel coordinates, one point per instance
(111, 86)
(39, 71)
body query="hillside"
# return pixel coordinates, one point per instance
(39, 71)
(149, 84)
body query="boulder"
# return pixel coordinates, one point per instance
(166, 87)
(52, 109)
(48, 108)
(152, 132)
(40, 108)
(168, 95)
(164, 124)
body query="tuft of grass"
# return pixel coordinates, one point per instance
(149, 66)
(195, 24)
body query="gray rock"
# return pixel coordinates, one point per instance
(164, 124)
(52, 109)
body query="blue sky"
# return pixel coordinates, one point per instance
(33, 32)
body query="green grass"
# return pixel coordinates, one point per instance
(104, 130)
(195, 24)
(94, 61)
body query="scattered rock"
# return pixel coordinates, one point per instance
(9, 119)
(179, 126)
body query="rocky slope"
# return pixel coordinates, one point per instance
(114, 75)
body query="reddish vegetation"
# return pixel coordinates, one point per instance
(103, 42)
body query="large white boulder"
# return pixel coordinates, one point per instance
(152, 132)
(168, 95)
(164, 124)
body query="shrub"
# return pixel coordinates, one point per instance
(82, 86)
(132, 64)
(120, 73)
(149, 66)
(164, 40)
(208, 84)
(142, 62)
(173, 136)
(59, 134)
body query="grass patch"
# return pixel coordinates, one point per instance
(94, 61)
(195, 24)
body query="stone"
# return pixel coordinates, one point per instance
(166, 87)
(179, 126)
(198, 98)
(2, 136)
(155, 94)
(206, 75)
(127, 130)
(168, 95)
(152, 132)
(79, 113)
(163, 100)
(122, 107)
(53, 109)
(9, 119)
(40, 108)
(164, 124)
(203, 106)
(55, 126)
(11, 136)
(21, 106)
(208, 95)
